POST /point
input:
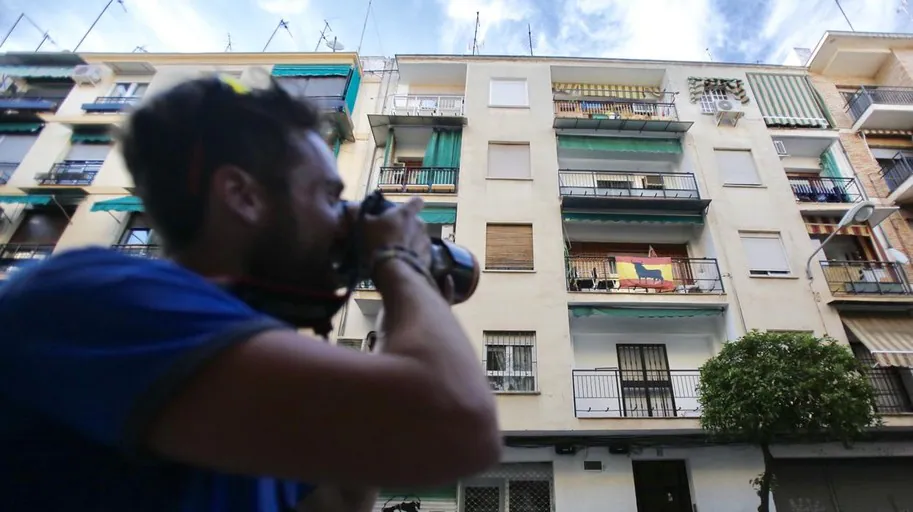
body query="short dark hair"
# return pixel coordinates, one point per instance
(172, 144)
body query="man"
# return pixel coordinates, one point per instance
(141, 385)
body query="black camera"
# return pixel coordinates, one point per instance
(447, 258)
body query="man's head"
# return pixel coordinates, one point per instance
(238, 181)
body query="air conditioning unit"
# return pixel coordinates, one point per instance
(87, 74)
(780, 146)
(727, 110)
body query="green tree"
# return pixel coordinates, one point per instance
(767, 385)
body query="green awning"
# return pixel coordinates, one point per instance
(625, 144)
(91, 138)
(20, 127)
(632, 218)
(37, 199)
(120, 204)
(311, 70)
(36, 71)
(438, 215)
(787, 100)
(426, 493)
(585, 311)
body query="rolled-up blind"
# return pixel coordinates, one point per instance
(509, 247)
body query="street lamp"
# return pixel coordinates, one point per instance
(859, 213)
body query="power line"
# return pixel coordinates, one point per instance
(844, 15)
(380, 42)
(102, 13)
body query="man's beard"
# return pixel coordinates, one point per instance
(280, 259)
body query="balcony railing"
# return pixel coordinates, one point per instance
(418, 180)
(143, 251)
(891, 396)
(6, 170)
(614, 393)
(13, 256)
(897, 172)
(71, 172)
(865, 278)
(599, 274)
(865, 97)
(616, 109)
(421, 105)
(819, 189)
(110, 103)
(366, 284)
(22, 102)
(609, 184)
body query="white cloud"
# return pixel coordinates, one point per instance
(457, 34)
(176, 25)
(284, 7)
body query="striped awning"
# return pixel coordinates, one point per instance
(36, 71)
(888, 338)
(893, 133)
(827, 225)
(628, 92)
(621, 312)
(120, 204)
(632, 218)
(620, 144)
(787, 100)
(293, 70)
(734, 86)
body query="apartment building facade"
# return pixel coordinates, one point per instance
(630, 217)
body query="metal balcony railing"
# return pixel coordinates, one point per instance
(598, 273)
(897, 172)
(615, 393)
(891, 396)
(71, 172)
(819, 189)
(616, 109)
(418, 180)
(865, 278)
(609, 184)
(14, 255)
(24, 102)
(144, 251)
(110, 103)
(366, 284)
(424, 105)
(865, 97)
(6, 171)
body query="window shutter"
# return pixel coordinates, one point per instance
(84, 152)
(509, 247)
(508, 93)
(737, 167)
(765, 254)
(13, 148)
(508, 161)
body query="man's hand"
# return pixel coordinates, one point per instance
(331, 498)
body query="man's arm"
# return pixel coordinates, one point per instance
(332, 498)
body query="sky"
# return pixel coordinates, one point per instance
(749, 31)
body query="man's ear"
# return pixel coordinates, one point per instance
(240, 194)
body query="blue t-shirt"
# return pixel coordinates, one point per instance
(92, 345)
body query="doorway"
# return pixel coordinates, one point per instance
(661, 486)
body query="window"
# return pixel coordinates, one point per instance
(646, 384)
(766, 254)
(13, 148)
(350, 343)
(509, 161)
(712, 95)
(128, 90)
(80, 152)
(508, 93)
(525, 487)
(138, 232)
(510, 360)
(509, 247)
(737, 167)
(315, 86)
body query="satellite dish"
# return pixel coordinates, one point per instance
(335, 45)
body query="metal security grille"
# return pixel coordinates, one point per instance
(710, 96)
(510, 360)
(510, 488)
(646, 384)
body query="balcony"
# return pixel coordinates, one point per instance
(818, 189)
(418, 180)
(865, 278)
(21, 102)
(12, 256)
(882, 108)
(897, 178)
(891, 395)
(625, 115)
(6, 170)
(614, 393)
(71, 173)
(430, 106)
(104, 104)
(599, 274)
(142, 251)
(620, 190)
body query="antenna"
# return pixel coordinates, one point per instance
(334, 45)
(140, 49)
(475, 37)
(228, 46)
(8, 34)
(529, 30)
(102, 13)
(844, 15)
(282, 24)
(363, 27)
(709, 54)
